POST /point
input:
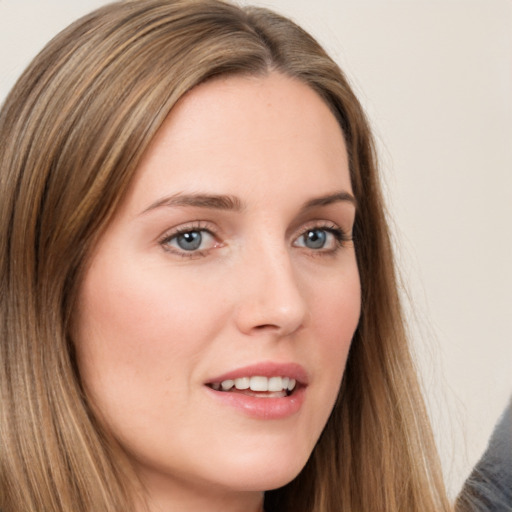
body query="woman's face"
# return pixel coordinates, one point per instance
(228, 265)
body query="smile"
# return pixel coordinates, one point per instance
(264, 391)
(259, 386)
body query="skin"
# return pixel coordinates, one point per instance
(157, 322)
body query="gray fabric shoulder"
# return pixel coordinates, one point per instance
(489, 487)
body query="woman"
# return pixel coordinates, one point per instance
(193, 238)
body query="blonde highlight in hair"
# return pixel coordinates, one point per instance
(72, 132)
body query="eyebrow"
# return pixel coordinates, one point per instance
(233, 203)
(330, 199)
(210, 201)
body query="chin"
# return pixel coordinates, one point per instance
(265, 471)
(268, 480)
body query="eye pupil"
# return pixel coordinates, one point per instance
(315, 238)
(189, 241)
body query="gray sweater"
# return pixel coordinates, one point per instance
(489, 487)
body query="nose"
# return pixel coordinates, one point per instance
(271, 299)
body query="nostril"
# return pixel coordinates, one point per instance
(266, 326)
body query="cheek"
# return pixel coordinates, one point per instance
(138, 312)
(136, 340)
(338, 315)
(133, 332)
(336, 309)
(335, 313)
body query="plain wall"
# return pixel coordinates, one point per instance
(436, 80)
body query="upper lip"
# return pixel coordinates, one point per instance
(266, 369)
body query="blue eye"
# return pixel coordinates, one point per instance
(315, 238)
(190, 241)
(326, 239)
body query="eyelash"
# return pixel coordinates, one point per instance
(183, 230)
(340, 239)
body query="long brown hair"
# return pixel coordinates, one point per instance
(72, 132)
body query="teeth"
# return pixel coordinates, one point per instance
(275, 384)
(227, 385)
(257, 383)
(242, 383)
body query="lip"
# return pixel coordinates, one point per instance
(263, 408)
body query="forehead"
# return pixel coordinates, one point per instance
(253, 104)
(243, 129)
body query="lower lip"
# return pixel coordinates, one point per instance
(262, 408)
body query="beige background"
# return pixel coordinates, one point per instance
(436, 80)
